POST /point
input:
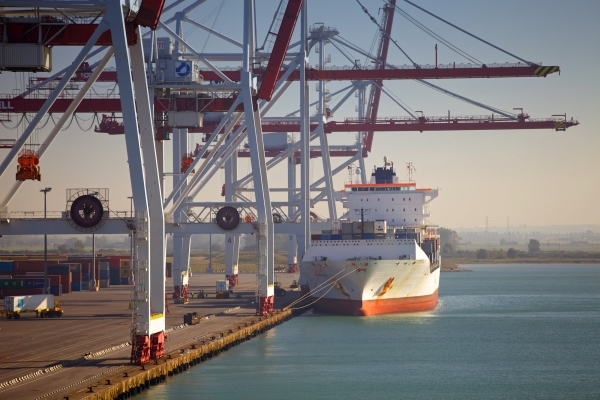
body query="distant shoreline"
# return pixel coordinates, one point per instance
(451, 264)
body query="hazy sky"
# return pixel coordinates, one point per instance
(532, 177)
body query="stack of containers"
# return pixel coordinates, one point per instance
(86, 263)
(85, 276)
(126, 277)
(76, 282)
(65, 274)
(114, 263)
(104, 274)
(25, 266)
(347, 230)
(169, 270)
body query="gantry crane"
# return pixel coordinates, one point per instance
(243, 107)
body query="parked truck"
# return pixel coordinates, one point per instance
(43, 305)
(223, 289)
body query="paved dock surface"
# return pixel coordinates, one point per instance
(97, 324)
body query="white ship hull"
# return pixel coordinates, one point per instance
(369, 277)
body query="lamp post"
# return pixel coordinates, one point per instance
(46, 288)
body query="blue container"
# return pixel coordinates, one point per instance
(56, 290)
(35, 283)
(369, 236)
(58, 269)
(400, 235)
(115, 276)
(75, 286)
(105, 274)
(85, 276)
(336, 237)
(124, 280)
(6, 266)
(85, 285)
(325, 237)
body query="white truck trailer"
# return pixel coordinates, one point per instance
(43, 305)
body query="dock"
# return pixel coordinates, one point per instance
(86, 353)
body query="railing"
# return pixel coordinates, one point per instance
(451, 119)
(39, 215)
(430, 66)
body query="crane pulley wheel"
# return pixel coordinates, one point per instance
(228, 218)
(87, 211)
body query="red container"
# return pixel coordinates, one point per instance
(85, 267)
(19, 292)
(75, 277)
(32, 265)
(66, 283)
(114, 262)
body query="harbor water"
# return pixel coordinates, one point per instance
(499, 332)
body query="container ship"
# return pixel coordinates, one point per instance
(382, 256)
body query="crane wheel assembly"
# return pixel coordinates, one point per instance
(87, 209)
(228, 218)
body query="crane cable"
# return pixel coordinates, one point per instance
(386, 34)
(434, 35)
(468, 33)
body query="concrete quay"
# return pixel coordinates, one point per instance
(59, 357)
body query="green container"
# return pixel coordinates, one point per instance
(12, 283)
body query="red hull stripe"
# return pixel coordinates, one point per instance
(375, 307)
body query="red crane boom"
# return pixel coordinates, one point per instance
(279, 49)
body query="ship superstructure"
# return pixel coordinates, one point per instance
(383, 256)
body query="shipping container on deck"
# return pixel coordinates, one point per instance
(346, 228)
(369, 236)
(315, 237)
(325, 237)
(347, 237)
(336, 236)
(6, 266)
(368, 227)
(104, 283)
